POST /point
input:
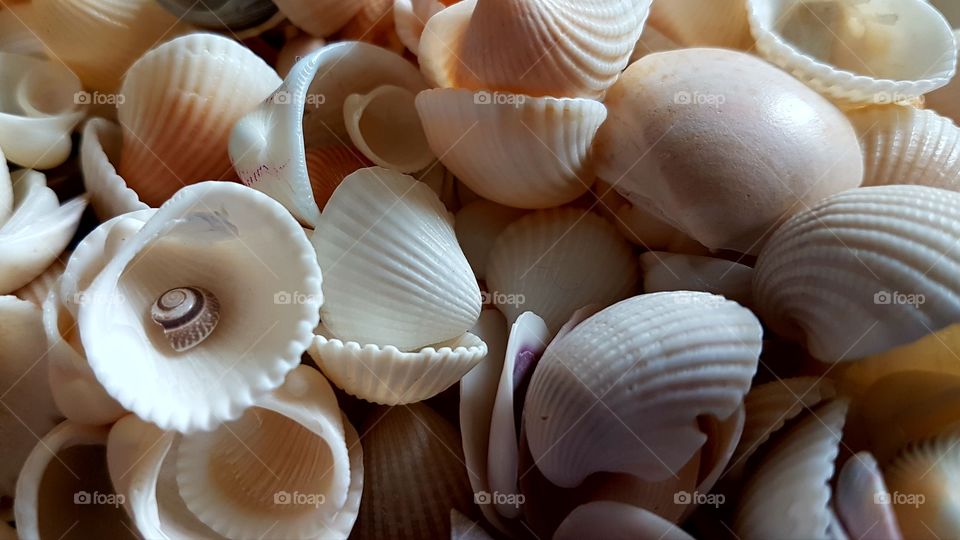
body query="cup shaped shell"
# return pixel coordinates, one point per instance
(702, 23)
(232, 15)
(384, 125)
(248, 251)
(109, 194)
(608, 519)
(862, 502)
(553, 262)
(883, 256)
(659, 361)
(921, 477)
(513, 149)
(200, 85)
(393, 272)
(676, 272)
(478, 226)
(722, 145)
(319, 18)
(880, 51)
(572, 48)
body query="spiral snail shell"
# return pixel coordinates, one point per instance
(188, 316)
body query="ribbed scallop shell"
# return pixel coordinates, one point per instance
(946, 100)
(702, 23)
(573, 48)
(319, 17)
(553, 262)
(883, 256)
(658, 361)
(181, 100)
(860, 503)
(922, 484)
(513, 149)
(675, 272)
(384, 125)
(608, 519)
(99, 152)
(904, 145)
(393, 272)
(478, 225)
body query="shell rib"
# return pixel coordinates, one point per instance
(675, 272)
(99, 150)
(608, 519)
(657, 361)
(574, 48)
(328, 166)
(319, 18)
(384, 125)
(862, 500)
(922, 484)
(946, 100)
(883, 256)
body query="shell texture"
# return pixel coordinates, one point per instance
(478, 225)
(109, 194)
(188, 316)
(922, 479)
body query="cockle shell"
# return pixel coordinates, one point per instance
(572, 48)
(922, 480)
(200, 238)
(659, 361)
(393, 272)
(904, 145)
(553, 262)
(233, 15)
(702, 23)
(766, 145)
(328, 166)
(862, 500)
(675, 272)
(883, 256)
(384, 125)
(99, 152)
(513, 149)
(607, 519)
(15, 36)
(854, 51)
(198, 85)
(410, 18)
(478, 225)
(39, 108)
(319, 18)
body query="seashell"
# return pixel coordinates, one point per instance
(862, 500)
(393, 270)
(100, 39)
(188, 242)
(319, 18)
(384, 126)
(513, 149)
(652, 41)
(880, 255)
(15, 36)
(857, 52)
(478, 225)
(904, 145)
(267, 146)
(39, 110)
(232, 15)
(700, 343)
(414, 451)
(295, 50)
(607, 519)
(99, 149)
(643, 229)
(328, 166)
(791, 149)
(374, 24)
(676, 272)
(553, 262)
(563, 48)
(795, 475)
(946, 100)
(921, 480)
(200, 84)
(464, 528)
(188, 315)
(702, 23)
(37, 290)
(410, 18)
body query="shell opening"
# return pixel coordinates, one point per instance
(385, 127)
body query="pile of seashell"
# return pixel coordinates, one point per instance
(403, 269)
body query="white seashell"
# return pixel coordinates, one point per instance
(877, 51)
(702, 23)
(296, 49)
(676, 272)
(882, 256)
(478, 225)
(607, 519)
(39, 110)
(37, 290)
(513, 149)
(225, 238)
(384, 125)
(862, 500)
(188, 315)
(795, 475)
(319, 18)
(554, 262)
(393, 272)
(410, 18)
(15, 36)
(99, 150)
(766, 146)
(922, 479)
(694, 356)
(563, 48)
(904, 145)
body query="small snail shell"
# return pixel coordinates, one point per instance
(188, 316)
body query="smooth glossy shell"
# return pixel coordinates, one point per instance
(862, 500)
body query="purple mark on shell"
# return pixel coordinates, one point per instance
(524, 364)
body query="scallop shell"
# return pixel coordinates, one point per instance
(676, 272)
(410, 18)
(702, 23)
(694, 356)
(232, 15)
(201, 237)
(384, 126)
(42, 103)
(513, 149)
(553, 262)
(607, 519)
(766, 145)
(393, 272)
(478, 225)
(882, 256)
(319, 18)
(328, 166)
(99, 150)
(861, 500)
(904, 145)
(922, 489)
(15, 36)
(878, 51)
(562, 48)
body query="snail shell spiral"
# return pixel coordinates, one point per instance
(188, 316)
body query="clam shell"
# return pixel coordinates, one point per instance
(384, 126)
(478, 225)
(218, 236)
(882, 256)
(676, 272)
(608, 519)
(99, 150)
(861, 502)
(328, 166)
(319, 18)
(393, 272)
(15, 36)
(573, 48)
(881, 51)
(702, 23)
(921, 488)
(695, 356)
(513, 149)
(233, 15)
(410, 18)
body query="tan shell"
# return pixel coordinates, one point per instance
(922, 489)
(410, 18)
(702, 23)
(328, 166)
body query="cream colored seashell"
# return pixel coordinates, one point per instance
(296, 49)
(921, 479)
(554, 262)
(795, 475)
(319, 18)
(862, 500)
(512, 149)
(15, 36)
(99, 150)
(478, 225)
(39, 110)
(879, 255)
(564, 48)
(694, 357)
(702, 23)
(384, 125)
(410, 18)
(393, 272)
(607, 519)
(674, 272)
(880, 51)
(200, 238)
(766, 146)
(414, 451)
(389, 376)
(904, 145)
(100, 39)
(37, 290)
